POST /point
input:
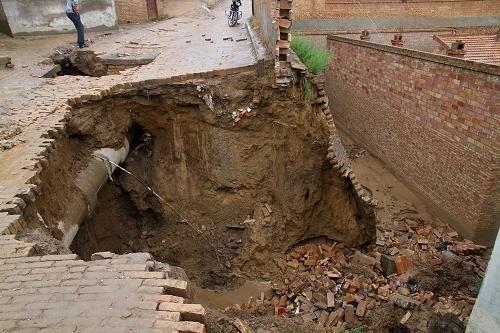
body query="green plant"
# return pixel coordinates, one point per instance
(356, 330)
(479, 283)
(308, 92)
(251, 22)
(316, 59)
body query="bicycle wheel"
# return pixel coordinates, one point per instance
(232, 19)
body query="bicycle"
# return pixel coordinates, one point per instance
(234, 13)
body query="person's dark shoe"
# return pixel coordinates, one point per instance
(84, 46)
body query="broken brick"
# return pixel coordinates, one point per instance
(350, 315)
(361, 309)
(362, 259)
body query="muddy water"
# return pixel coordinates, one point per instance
(221, 300)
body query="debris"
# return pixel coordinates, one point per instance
(323, 317)
(393, 251)
(388, 264)
(362, 259)
(412, 286)
(268, 207)
(467, 248)
(405, 318)
(235, 226)
(330, 299)
(361, 309)
(339, 287)
(436, 261)
(349, 315)
(334, 317)
(242, 327)
(241, 39)
(404, 301)
(4, 60)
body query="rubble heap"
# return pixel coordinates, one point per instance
(339, 287)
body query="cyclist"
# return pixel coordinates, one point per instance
(235, 5)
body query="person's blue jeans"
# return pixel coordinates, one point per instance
(75, 18)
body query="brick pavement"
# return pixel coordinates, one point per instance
(111, 293)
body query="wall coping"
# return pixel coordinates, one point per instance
(437, 58)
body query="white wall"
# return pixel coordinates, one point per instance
(485, 317)
(27, 17)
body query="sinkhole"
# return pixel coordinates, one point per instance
(198, 190)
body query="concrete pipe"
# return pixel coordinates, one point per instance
(88, 184)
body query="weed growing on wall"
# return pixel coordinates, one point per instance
(316, 59)
(308, 91)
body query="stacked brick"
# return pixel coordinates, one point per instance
(337, 155)
(283, 19)
(112, 293)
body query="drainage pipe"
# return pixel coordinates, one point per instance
(88, 183)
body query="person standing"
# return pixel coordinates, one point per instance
(73, 13)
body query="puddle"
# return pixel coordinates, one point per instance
(221, 300)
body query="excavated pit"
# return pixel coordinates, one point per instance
(235, 195)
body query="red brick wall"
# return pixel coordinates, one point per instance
(356, 15)
(131, 11)
(341, 9)
(434, 120)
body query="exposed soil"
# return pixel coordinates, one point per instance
(454, 276)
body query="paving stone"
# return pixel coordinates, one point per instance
(144, 275)
(59, 257)
(189, 312)
(182, 326)
(171, 286)
(163, 298)
(16, 315)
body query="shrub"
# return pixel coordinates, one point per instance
(316, 59)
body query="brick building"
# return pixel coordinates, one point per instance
(346, 15)
(137, 11)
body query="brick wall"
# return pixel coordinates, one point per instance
(131, 11)
(381, 14)
(431, 118)
(274, 20)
